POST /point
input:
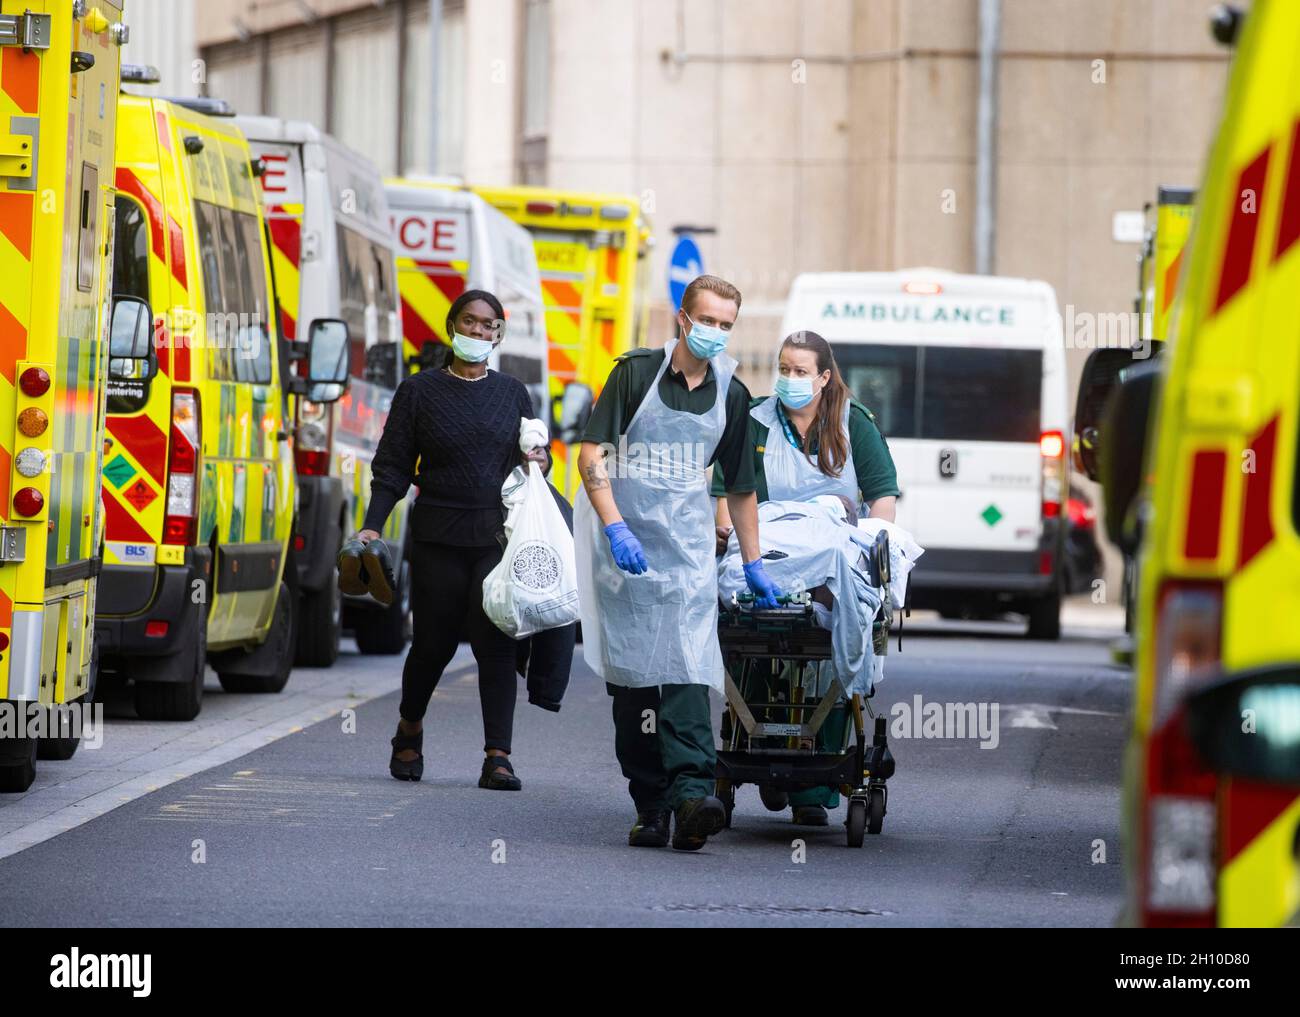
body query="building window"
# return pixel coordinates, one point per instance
(535, 122)
(418, 115)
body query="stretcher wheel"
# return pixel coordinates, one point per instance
(876, 810)
(856, 823)
(727, 792)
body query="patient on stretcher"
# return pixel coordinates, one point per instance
(820, 546)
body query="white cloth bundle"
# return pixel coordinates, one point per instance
(532, 432)
(903, 554)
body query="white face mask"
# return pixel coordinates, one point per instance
(469, 349)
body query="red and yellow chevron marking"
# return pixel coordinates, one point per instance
(427, 289)
(285, 225)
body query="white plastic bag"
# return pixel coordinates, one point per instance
(535, 585)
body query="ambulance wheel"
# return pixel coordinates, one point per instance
(320, 625)
(181, 696)
(1045, 618)
(384, 632)
(17, 764)
(876, 811)
(265, 668)
(856, 823)
(66, 748)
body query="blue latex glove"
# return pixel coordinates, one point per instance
(626, 549)
(761, 585)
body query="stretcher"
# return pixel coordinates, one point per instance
(774, 719)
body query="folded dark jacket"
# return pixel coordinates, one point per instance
(546, 658)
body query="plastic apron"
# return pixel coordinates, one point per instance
(661, 627)
(790, 476)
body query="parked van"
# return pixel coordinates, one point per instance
(60, 111)
(199, 486)
(450, 240)
(966, 376)
(332, 257)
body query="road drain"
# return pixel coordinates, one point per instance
(772, 910)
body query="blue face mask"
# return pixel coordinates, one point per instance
(705, 341)
(795, 393)
(469, 349)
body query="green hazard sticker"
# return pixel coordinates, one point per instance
(119, 471)
(991, 515)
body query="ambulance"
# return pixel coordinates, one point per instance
(591, 252)
(332, 257)
(1210, 502)
(199, 484)
(966, 377)
(449, 241)
(58, 95)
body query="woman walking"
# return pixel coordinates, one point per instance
(454, 432)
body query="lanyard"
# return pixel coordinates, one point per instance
(788, 429)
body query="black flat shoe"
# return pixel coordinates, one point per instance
(697, 820)
(651, 829)
(352, 575)
(377, 566)
(413, 770)
(810, 815)
(494, 781)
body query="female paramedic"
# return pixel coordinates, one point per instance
(647, 579)
(813, 438)
(453, 430)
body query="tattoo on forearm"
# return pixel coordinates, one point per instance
(595, 477)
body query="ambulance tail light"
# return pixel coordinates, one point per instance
(1051, 445)
(919, 288)
(311, 450)
(180, 525)
(1179, 869)
(540, 208)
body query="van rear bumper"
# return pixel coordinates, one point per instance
(141, 595)
(942, 572)
(320, 509)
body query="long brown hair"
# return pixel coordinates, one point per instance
(827, 433)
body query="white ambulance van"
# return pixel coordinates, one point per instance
(332, 257)
(450, 240)
(966, 376)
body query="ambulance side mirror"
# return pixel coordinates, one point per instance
(1100, 376)
(571, 412)
(327, 359)
(130, 340)
(1123, 454)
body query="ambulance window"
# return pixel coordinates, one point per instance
(356, 290)
(883, 379)
(255, 360)
(88, 227)
(130, 249)
(208, 228)
(974, 394)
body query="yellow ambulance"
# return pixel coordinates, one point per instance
(198, 478)
(591, 250)
(58, 94)
(1212, 769)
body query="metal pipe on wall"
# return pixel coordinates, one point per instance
(435, 48)
(987, 137)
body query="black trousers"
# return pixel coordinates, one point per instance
(446, 606)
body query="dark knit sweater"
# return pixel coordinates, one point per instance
(456, 440)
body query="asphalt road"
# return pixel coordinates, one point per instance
(309, 829)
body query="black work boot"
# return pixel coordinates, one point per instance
(352, 574)
(650, 830)
(377, 564)
(698, 819)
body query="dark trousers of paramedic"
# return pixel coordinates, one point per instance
(446, 604)
(663, 738)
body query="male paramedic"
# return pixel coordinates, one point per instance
(647, 573)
